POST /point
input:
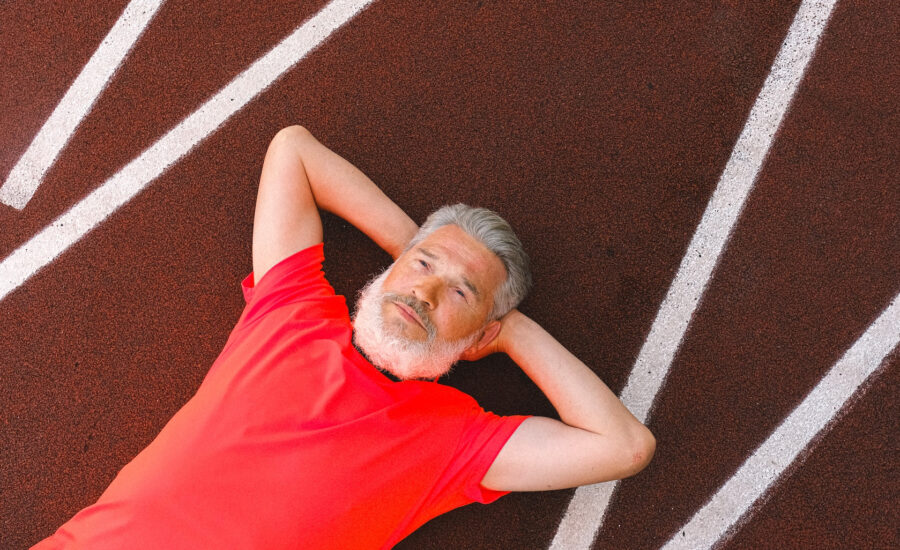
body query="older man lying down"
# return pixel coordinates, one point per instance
(295, 439)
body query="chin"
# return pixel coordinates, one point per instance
(394, 353)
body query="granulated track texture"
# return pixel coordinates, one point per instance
(599, 131)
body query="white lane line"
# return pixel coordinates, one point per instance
(817, 414)
(28, 173)
(71, 226)
(584, 515)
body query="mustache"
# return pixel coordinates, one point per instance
(418, 307)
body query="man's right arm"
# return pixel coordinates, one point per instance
(598, 438)
(299, 176)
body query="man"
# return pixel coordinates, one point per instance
(295, 440)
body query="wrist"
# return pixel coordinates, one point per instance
(514, 324)
(405, 232)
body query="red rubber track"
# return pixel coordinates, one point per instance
(599, 131)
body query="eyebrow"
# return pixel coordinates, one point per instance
(465, 279)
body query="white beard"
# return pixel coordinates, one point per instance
(394, 353)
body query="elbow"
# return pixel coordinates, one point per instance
(641, 450)
(291, 134)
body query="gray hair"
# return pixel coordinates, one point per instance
(488, 228)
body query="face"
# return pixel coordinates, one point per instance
(430, 306)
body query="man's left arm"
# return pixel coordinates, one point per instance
(597, 439)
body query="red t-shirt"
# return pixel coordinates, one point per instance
(294, 440)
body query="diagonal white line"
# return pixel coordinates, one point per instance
(28, 173)
(815, 415)
(67, 229)
(584, 515)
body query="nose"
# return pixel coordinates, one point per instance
(426, 290)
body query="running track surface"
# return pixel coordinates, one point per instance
(598, 131)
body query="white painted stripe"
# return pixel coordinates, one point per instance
(817, 414)
(586, 510)
(54, 239)
(28, 173)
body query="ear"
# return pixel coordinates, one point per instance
(482, 346)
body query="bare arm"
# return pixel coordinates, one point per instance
(598, 438)
(299, 176)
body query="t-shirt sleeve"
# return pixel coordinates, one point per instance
(484, 436)
(296, 278)
(483, 442)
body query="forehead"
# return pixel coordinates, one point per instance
(456, 247)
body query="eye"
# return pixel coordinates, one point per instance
(461, 293)
(424, 264)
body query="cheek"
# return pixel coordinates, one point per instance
(456, 323)
(400, 276)
(393, 281)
